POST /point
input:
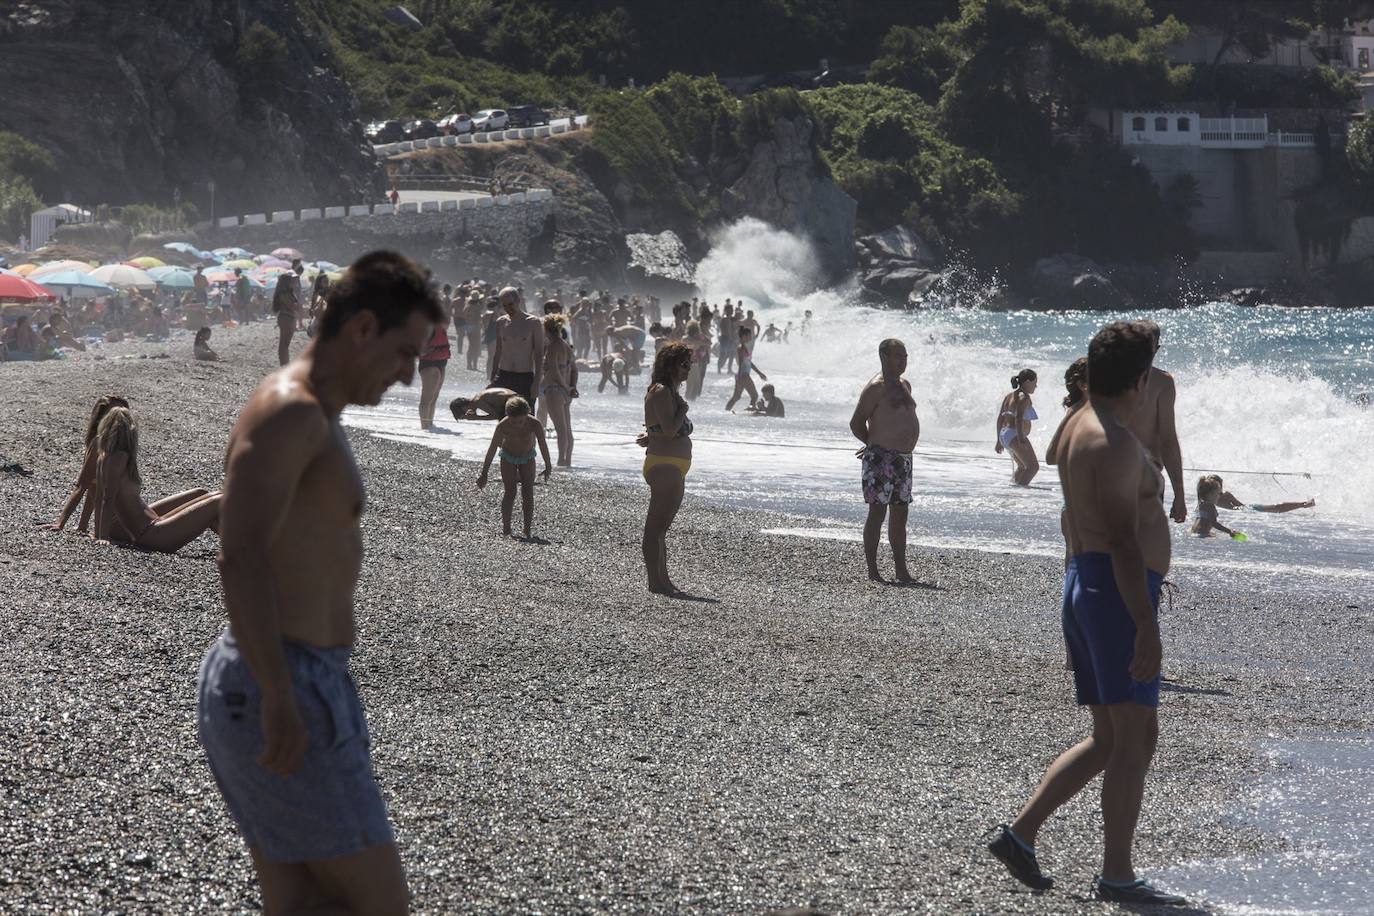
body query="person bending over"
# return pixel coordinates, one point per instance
(1212, 494)
(519, 439)
(614, 371)
(122, 516)
(489, 404)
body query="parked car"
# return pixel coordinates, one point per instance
(390, 132)
(490, 119)
(527, 116)
(455, 124)
(421, 129)
(372, 129)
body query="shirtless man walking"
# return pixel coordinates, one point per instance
(885, 421)
(278, 713)
(1154, 426)
(1119, 552)
(519, 348)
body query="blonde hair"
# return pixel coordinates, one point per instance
(1208, 486)
(98, 411)
(554, 324)
(119, 433)
(517, 407)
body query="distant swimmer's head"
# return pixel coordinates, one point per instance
(517, 407)
(1076, 381)
(892, 355)
(460, 407)
(1025, 380)
(672, 364)
(102, 406)
(118, 432)
(1119, 359)
(1209, 488)
(379, 317)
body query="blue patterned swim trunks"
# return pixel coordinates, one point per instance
(327, 807)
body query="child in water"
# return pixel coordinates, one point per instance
(1211, 495)
(519, 438)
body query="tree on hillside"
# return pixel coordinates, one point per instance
(919, 59)
(1255, 25)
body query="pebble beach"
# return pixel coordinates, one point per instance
(551, 738)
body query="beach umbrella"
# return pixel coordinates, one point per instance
(219, 275)
(183, 247)
(275, 262)
(54, 266)
(209, 256)
(24, 270)
(286, 254)
(145, 262)
(22, 289)
(243, 263)
(326, 266)
(271, 271)
(232, 252)
(75, 284)
(123, 275)
(173, 277)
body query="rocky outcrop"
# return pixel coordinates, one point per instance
(1073, 281)
(145, 103)
(786, 184)
(898, 265)
(660, 262)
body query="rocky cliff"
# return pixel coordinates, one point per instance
(147, 100)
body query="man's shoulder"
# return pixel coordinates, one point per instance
(284, 405)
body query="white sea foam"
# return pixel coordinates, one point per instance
(1260, 391)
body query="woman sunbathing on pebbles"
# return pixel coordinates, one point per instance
(122, 516)
(86, 478)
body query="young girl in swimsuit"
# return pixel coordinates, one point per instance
(1013, 425)
(743, 383)
(516, 438)
(667, 439)
(121, 515)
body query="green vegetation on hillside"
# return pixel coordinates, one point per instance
(27, 171)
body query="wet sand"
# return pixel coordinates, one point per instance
(550, 738)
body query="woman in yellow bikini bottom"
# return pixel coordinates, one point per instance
(653, 461)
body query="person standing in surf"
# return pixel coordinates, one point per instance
(1119, 554)
(1154, 426)
(885, 422)
(1013, 426)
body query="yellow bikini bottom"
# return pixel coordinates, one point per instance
(682, 464)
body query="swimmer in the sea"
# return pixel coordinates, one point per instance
(1212, 495)
(520, 439)
(489, 404)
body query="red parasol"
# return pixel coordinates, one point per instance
(20, 289)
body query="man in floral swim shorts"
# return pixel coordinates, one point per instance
(885, 421)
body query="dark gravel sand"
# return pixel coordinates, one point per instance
(550, 738)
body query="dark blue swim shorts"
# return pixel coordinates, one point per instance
(330, 805)
(1100, 634)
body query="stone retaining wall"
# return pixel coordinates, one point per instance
(505, 223)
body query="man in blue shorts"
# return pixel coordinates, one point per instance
(278, 713)
(1119, 552)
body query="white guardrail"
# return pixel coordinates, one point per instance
(449, 205)
(559, 126)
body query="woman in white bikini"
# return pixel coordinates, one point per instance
(1014, 424)
(122, 516)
